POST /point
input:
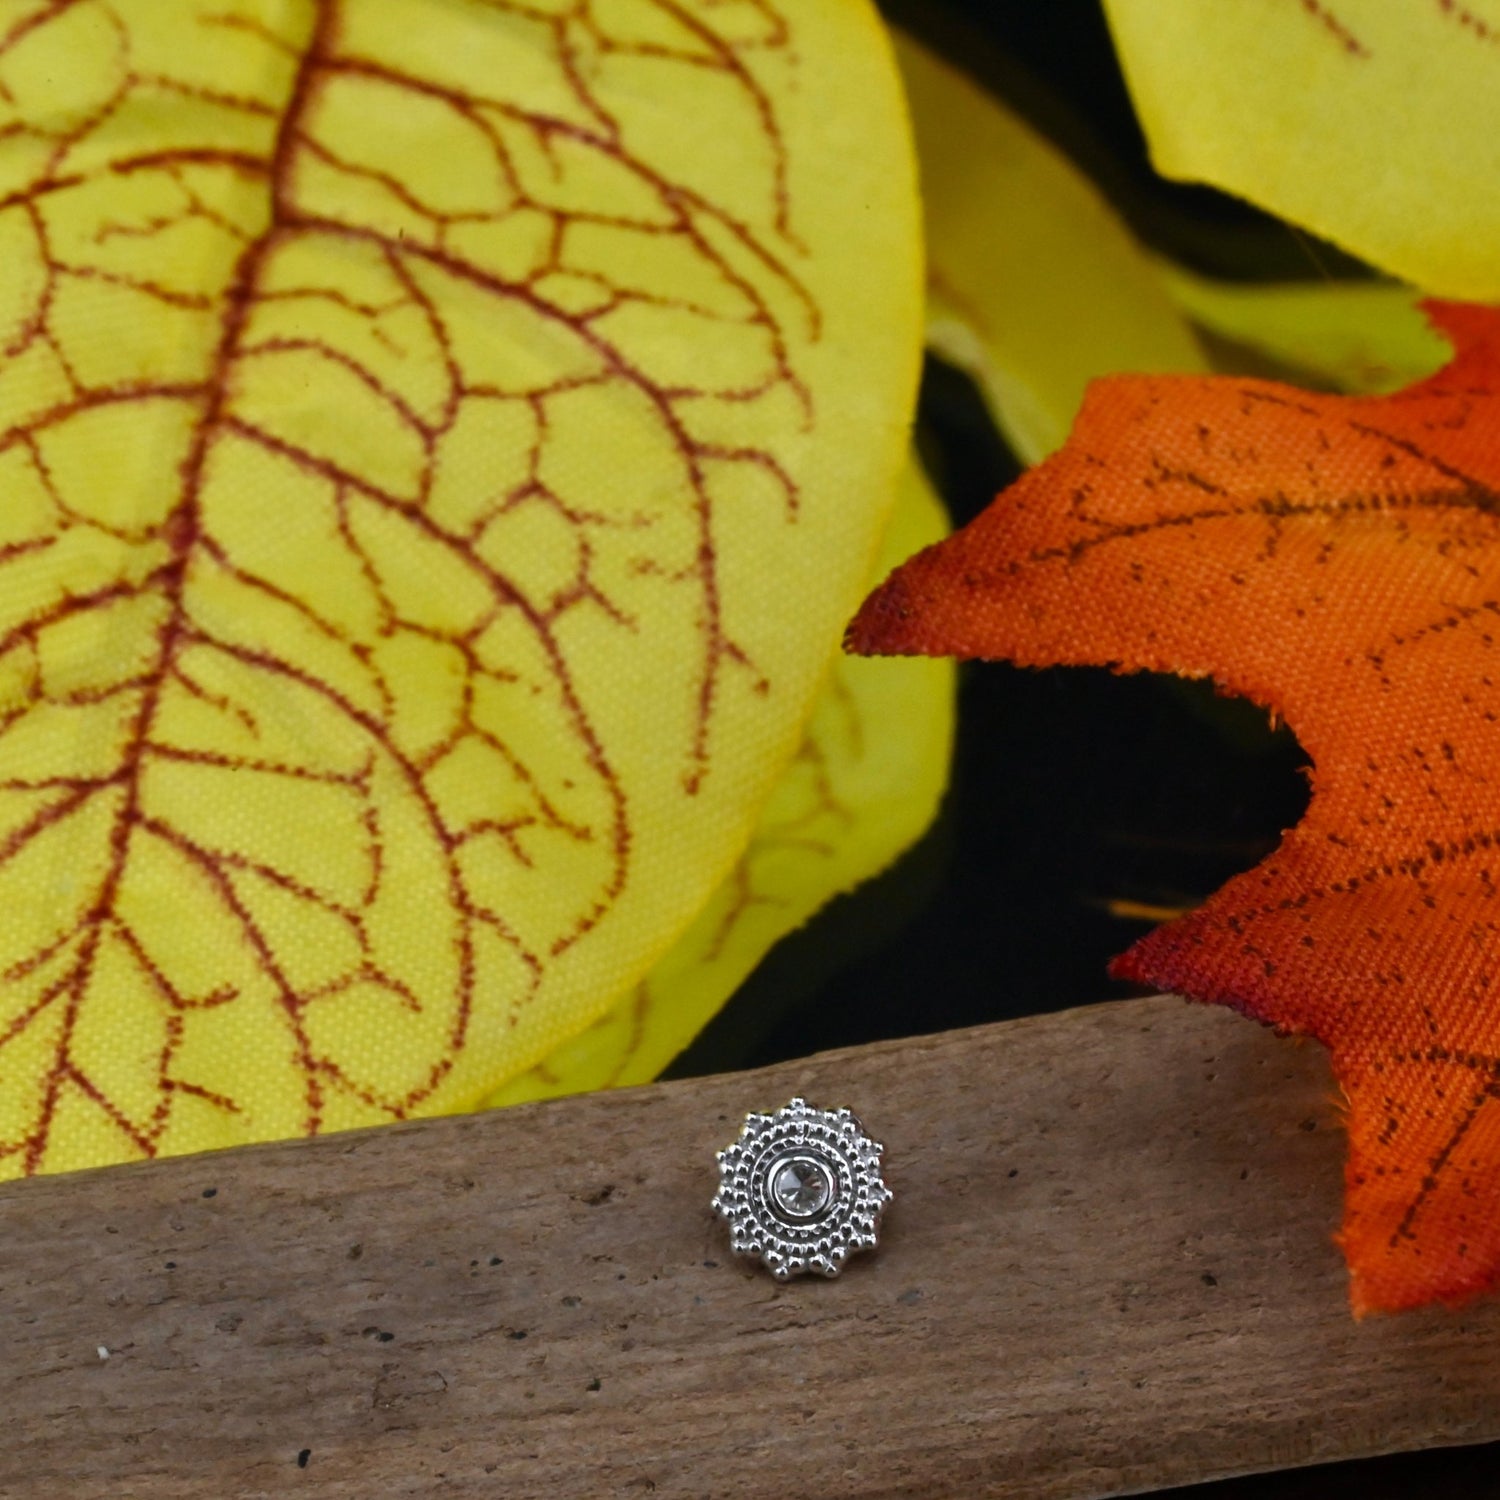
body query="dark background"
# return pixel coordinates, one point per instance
(1072, 790)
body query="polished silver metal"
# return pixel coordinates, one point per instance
(801, 1190)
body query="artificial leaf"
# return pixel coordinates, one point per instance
(1034, 286)
(1373, 124)
(438, 443)
(1337, 560)
(864, 783)
(1362, 337)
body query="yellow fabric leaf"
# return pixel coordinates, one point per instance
(1034, 285)
(1356, 336)
(865, 783)
(440, 445)
(1375, 124)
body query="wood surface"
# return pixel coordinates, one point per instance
(1109, 1267)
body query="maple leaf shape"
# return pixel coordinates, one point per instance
(410, 440)
(1337, 560)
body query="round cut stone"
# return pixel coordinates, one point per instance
(801, 1187)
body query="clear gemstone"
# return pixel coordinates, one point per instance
(801, 1187)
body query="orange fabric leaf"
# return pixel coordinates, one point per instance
(1337, 560)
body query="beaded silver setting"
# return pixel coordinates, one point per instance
(801, 1190)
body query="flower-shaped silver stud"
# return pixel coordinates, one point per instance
(801, 1189)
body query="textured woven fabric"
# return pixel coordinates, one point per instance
(1373, 125)
(440, 443)
(1336, 559)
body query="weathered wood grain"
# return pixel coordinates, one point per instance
(1108, 1267)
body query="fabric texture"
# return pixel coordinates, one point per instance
(440, 443)
(1335, 559)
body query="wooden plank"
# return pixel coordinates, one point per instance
(1108, 1267)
